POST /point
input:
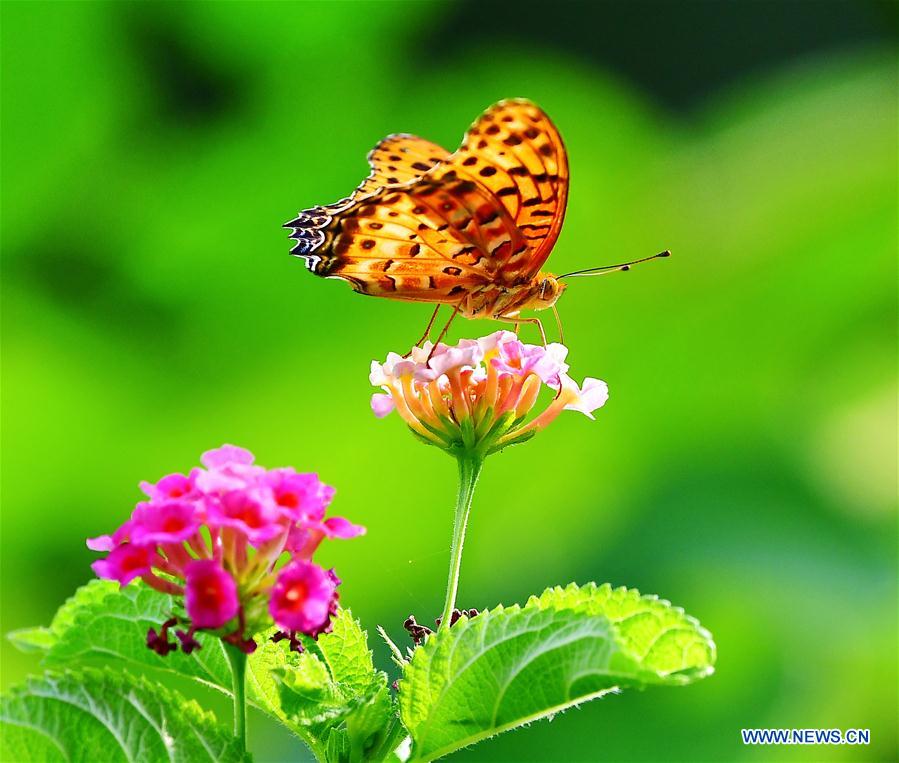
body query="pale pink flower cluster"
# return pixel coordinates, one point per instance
(236, 541)
(476, 396)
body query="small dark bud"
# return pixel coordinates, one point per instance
(625, 267)
(188, 642)
(454, 617)
(295, 644)
(246, 645)
(159, 642)
(416, 631)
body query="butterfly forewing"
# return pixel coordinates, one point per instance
(515, 151)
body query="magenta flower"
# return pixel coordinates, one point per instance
(338, 527)
(477, 396)
(210, 594)
(109, 542)
(304, 598)
(218, 538)
(227, 468)
(254, 518)
(227, 457)
(302, 496)
(171, 486)
(126, 562)
(164, 522)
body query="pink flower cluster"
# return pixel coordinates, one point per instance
(476, 396)
(236, 541)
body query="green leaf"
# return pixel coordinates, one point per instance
(310, 697)
(667, 641)
(373, 728)
(345, 650)
(333, 686)
(103, 622)
(333, 694)
(31, 639)
(41, 638)
(100, 715)
(508, 667)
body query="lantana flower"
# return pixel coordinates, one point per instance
(236, 542)
(479, 395)
(473, 399)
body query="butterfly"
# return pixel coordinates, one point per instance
(470, 229)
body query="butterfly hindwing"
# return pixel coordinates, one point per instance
(399, 159)
(424, 241)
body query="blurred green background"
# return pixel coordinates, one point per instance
(745, 466)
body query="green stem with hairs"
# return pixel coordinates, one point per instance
(469, 469)
(238, 662)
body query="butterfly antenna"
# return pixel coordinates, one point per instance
(611, 268)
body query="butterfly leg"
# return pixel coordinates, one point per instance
(559, 324)
(519, 321)
(427, 333)
(445, 329)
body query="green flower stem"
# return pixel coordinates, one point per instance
(238, 661)
(469, 469)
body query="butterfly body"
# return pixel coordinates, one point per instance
(470, 229)
(506, 302)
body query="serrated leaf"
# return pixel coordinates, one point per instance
(103, 622)
(333, 679)
(87, 595)
(664, 638)
(98, 715)
(308, 694)
(335, 694)
(31, 640)
(354, 725)
(345, 650)
(507, 667)
(43, 638)
(370, 727)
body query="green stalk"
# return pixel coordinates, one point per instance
(238, 661)
(469, 469)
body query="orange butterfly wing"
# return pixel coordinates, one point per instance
(426, 241)
(429, 226)
(515, 151)
(398, 159)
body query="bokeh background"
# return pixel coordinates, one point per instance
(745, 466)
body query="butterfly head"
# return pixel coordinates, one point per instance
(545, 290)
